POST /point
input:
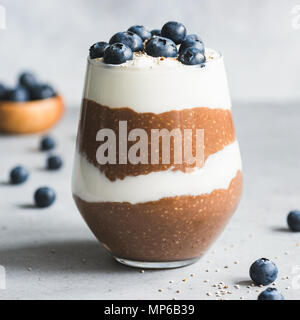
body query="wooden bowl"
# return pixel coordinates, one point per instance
(30, 117)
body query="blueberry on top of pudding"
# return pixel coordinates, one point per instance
(161, 47)
(192, 43)
(138, 44)
(175, 31)
(141, 31)
(192, 56)
(97, 49)
(130, 39)
(194, 37)
(117, 53)
(156, 32)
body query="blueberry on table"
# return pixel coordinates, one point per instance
(19, 94)
(192, 43)
(117, 53)
(18, 175)
(270, 294)
(47, 143)
(192, 56)
(44, 197)
(130, 39)
(293, 220)
(263, 271)
(42, 91)
(141, 31)
(97, 49)
(175, 31)
(54, 162)
(161, 47)
(156, 32)
(27, 80)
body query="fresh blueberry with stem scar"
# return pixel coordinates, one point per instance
(44, 197)
(161, 47)
(27, 80)
(156, 32)
(141, 31)
(192, 43)
(293, 220)
(97, 49)
(117, 53)
(54, 162)
(192, 56)
(42, 91)
(263, 271)
(19, 94)
(47, 143)
(270, 294)
(175, 31)
(18, 175)
(192, 37)
(130, 39)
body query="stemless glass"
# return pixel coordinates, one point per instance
(148, 212)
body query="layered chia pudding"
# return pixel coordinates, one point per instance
(151, 212)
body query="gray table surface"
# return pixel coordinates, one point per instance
(51, 254)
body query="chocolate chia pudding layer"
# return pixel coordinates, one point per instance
(169, 229)
(217, 124)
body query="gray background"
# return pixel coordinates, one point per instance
(261, 48)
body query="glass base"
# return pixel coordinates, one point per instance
(156, 265)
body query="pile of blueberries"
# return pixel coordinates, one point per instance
(44, 197)
(156, 43)
(28, 89)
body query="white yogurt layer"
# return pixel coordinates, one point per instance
(91, 185)
(148, 84)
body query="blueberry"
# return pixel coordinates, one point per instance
(44, 197)
(117, 53)
(27, 80)
(192, 56)
(141, 31)
(192, 43)
(19, 94)
(42, 91)
(2, 92)
(47, 143)
(161, 47)
(54, 162)
(175, 31)
(130, 39)
(97, 49)
(156, 32)
(18, 175)
(293, 220)
(193, 37)
(271, 294)
(263, 271)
